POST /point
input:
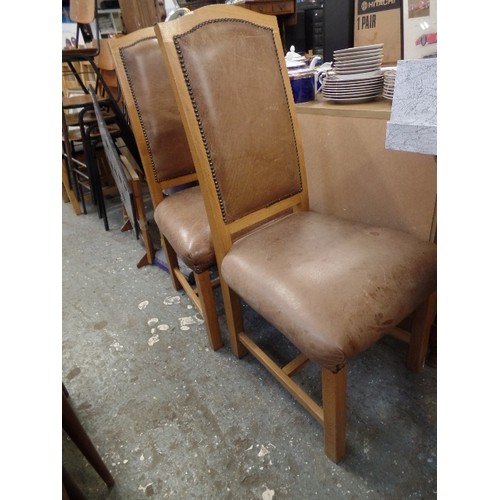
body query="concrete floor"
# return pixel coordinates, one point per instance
(172, 419)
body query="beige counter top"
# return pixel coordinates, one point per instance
(377, 109)
(352, 175)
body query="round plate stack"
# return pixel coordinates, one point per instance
(389, 81)
(356, 75)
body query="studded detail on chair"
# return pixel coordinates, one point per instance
(332, 287)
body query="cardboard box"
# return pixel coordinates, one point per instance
(379, 21)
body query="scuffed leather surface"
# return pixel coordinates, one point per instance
(244, 113)
(332, 287)
(155, 103)
(182, 219)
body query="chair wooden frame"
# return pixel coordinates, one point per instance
(226, 229)
(202, 293)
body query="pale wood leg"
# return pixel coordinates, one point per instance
(143, 223)
(334, 389)
(234, 319)
(208, 309)
(68, 194)
(420, 332)
(172, 262)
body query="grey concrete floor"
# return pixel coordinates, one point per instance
(173, 419)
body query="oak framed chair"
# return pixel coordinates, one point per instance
(179, 211)
(332, 287)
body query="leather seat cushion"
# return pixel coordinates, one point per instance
(182, 219)
(333, 287)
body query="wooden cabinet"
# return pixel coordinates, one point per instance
(271, 7)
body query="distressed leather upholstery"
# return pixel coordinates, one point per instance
(334, 288)
(159, 117)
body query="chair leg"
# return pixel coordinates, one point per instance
(334, 390)
(172, 262)
(208, 309)
(142, 221)
(234, 319)
(74, 429)
(420, 332)
(70, 490)
(68, 194)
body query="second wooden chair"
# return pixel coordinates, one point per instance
(178, 204)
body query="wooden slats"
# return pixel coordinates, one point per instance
(292, 387)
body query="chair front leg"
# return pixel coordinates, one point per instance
(420, 332)
(234, 319)
(334, 390)
(208, 309)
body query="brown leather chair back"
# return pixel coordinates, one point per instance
(152, 109)
(232, 134)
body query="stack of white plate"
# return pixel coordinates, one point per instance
(358, 89)
(389, 80)
(356, 75)
(358, 60)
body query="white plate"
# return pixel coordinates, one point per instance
(361, 48)
(352, 83)
(357, 93)
(353, 90)
(352, 100)
(339, 88)
(374, 85)
(358, 58)
(360, 62)
(358, 54)
(351, 97)
(365, 88)
(356, 76)
(356, 71)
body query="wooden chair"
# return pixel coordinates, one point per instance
(178, 210)
(331, 286)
